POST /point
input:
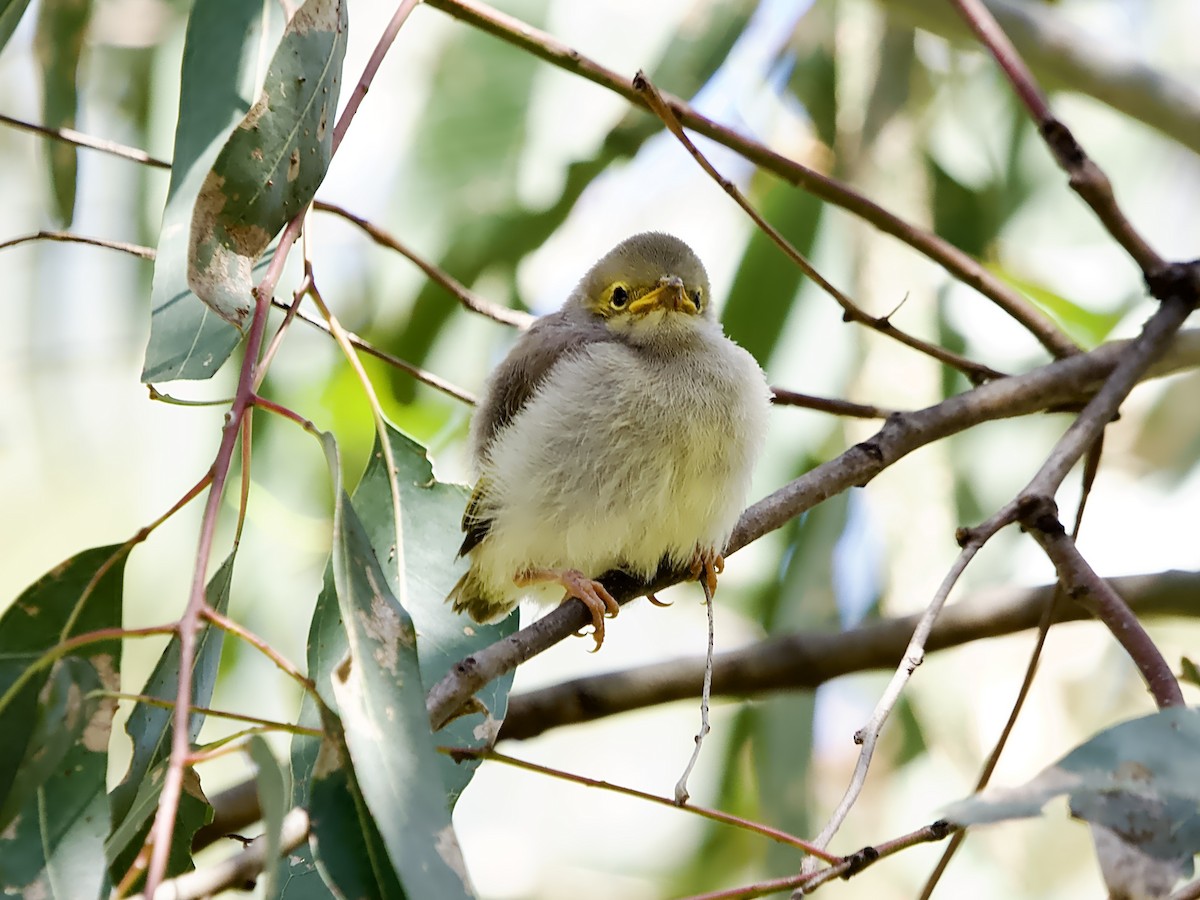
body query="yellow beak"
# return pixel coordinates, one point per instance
(669, 295)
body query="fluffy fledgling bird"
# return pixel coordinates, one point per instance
(619, 432)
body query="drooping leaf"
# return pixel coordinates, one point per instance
(222, 53)
(56, 816)
(351, 850)
(893, 79)
(127, 838)
(149, 728)
(10, 16)
(431, 514)
(379, 692)
(1191, 672)
(272, 163)
(1139, 779)
(272, 800)
(58, 44)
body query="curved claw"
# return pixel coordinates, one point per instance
(710, 564)
(591, 593)
(658, 602)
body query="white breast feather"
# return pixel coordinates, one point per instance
(597, 477)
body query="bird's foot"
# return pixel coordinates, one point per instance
(710, 564)
(653, 599)
(591, 593)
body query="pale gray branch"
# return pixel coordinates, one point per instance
(1062, 56)
(807, 660)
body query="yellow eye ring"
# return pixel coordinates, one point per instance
(619, 298)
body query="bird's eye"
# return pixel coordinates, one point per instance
(619, 298)
(696, 299)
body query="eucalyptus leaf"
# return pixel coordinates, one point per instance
(52, 842)
(222, 58)
(272, 163)
(58, 44)
(272, 800)
(381, 701)
(10, 17)
(1139, 779)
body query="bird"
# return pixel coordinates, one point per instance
(620, 432)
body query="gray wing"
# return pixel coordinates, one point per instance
(512, 385)
(518, 377)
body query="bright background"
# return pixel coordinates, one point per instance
(461, 133)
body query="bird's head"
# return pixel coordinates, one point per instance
(650, 288)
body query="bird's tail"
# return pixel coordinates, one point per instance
(471, 596)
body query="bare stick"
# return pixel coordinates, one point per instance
(422, 375)
(852, 312)
(914, 655)
(68, 237)
(784, 397)
(461, 292)
(846, 867)
(1083, 584)
(78, 139)
(681, 790)
(781, 837)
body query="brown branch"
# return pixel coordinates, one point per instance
(958, 264)
(422, 375)
(1081, 583)
(851, 311)
(78, 139)
(847, 868)
(714, 815)
(806, 660)
(784, 397)
(68, 237)
(1063, 382)
(470, 300)
(1085, 177)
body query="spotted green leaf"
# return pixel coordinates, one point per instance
(272, 163)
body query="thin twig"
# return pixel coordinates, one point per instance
(852, 312)
(381, 431)
(958, 264)
(681, 789)
(239, 631)
(68, 237)
(914, 655)
(168, 805)
(209, 711)
(78, 139)
(846, 867)
(781, 837)
(989, 766)
(422, 375)
(784, 397)
(1081, 583)
(469, 300)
